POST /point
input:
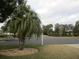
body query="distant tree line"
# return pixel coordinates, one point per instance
(61, 29)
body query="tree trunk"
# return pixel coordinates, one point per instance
(21, 43)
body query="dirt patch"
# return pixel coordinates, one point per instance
(16, 52)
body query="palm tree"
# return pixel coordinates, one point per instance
(24, 23)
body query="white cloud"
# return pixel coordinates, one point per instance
(56, 11)
(53, 11)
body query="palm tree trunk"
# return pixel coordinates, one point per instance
(21, 43)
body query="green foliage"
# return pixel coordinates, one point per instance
(48, 29)
(57, 30)
(76, 29)
(3, 36)
(6, 8)
(62, 30)
(24, 22)
(3, 28)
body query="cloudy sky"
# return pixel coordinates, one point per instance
(56, 11)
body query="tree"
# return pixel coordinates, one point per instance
(57, 29)
(62, 30)
(3, 28)
(69, 29)
(7, 7)
(24, 23)
(48, 29)
(76, 29)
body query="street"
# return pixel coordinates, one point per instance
(46, 40)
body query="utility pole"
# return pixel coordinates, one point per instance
(42, 39)
(42, 43)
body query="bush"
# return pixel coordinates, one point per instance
(3, 36)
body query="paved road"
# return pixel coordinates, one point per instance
(61, 40)
(47, 40)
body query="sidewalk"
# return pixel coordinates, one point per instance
(74, 45)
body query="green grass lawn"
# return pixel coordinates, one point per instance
(47, 52)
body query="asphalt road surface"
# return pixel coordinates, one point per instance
(46, 40)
